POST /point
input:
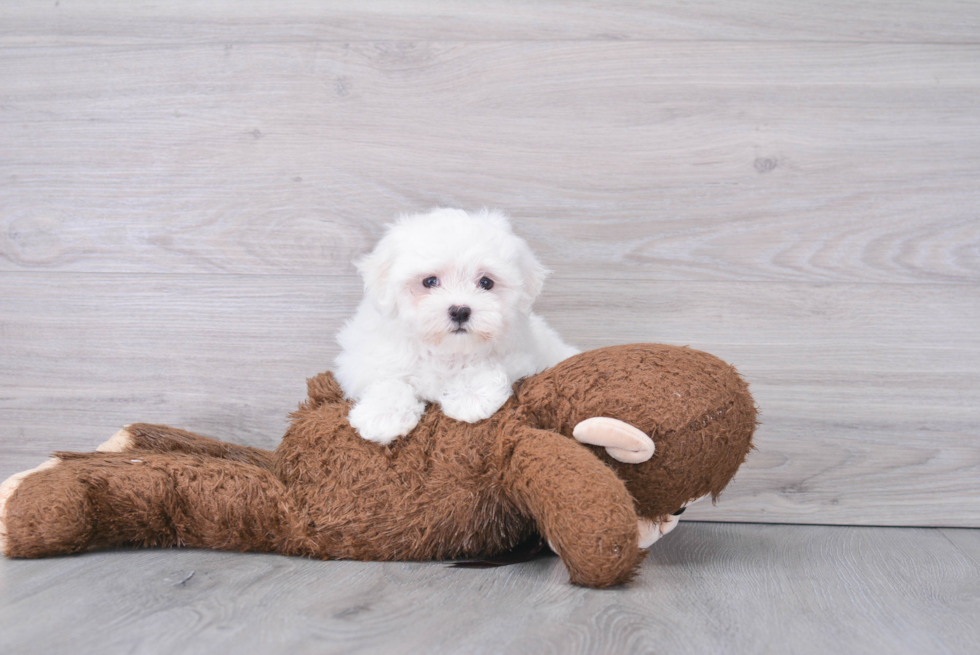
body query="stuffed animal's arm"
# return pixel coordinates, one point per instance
(582, 508)
(146, 437)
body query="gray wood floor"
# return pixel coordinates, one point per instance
(706, 588)
(792, 186)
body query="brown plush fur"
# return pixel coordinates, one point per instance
(447, 490)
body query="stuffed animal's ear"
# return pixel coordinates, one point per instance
(323, 388)
(376, 271)
(621, 440)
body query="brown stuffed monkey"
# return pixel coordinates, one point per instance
(596, 454)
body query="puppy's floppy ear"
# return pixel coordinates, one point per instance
(533, 274)
(375, 269)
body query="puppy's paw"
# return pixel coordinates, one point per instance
(386, 412)
(7, 490)
(385, 426)
(470, 406)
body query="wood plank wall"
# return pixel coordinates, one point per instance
(792, 186)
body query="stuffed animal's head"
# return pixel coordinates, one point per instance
(694, 407)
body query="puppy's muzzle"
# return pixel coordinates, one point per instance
(459, 315)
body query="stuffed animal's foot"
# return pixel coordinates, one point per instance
(117, 443)
(7, 490)
(650, 532)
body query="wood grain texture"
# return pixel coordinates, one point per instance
(966, 541)
(870, 394)
(789, 186)
(100, 22)
(689, 161)
(705, 588)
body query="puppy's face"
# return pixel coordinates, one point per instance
(453, 280)
(460, 304)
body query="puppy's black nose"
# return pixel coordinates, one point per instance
(459, 314)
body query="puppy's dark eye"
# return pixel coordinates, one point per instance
(486, 283)
(430, 282)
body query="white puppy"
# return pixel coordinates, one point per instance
(446, 318)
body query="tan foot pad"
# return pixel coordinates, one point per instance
(117, 443)
(651, 532)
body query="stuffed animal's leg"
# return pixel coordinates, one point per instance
(7, 489)
(580, 505)
(100, 499)
(165, 439)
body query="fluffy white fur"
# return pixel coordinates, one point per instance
(403, 346)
